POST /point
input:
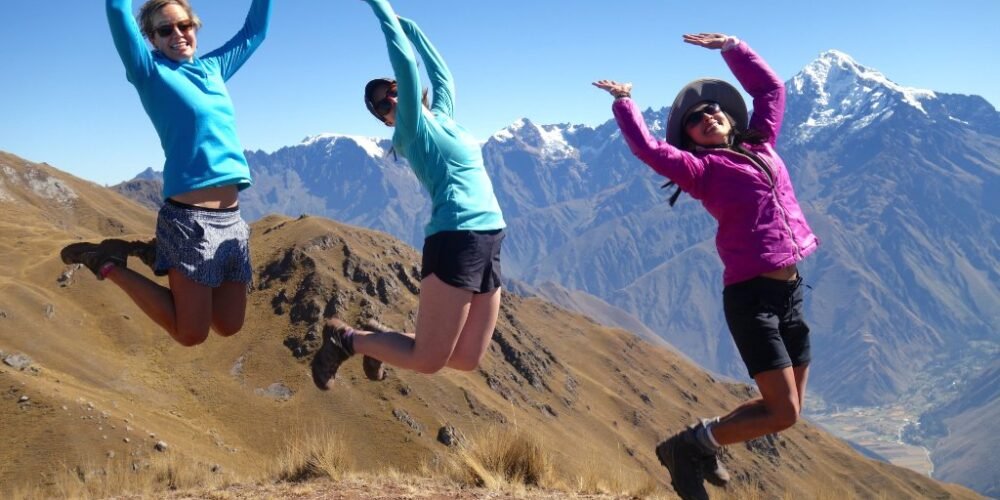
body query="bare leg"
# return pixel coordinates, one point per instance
(229, 305)
(776, 410)
(477, 332)
(440, 320)
(184, 310)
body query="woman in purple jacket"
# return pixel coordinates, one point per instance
(719, 157)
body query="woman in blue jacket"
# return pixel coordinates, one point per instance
(201, 239)
(460, 286)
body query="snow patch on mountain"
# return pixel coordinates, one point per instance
(844, 91)
(550, 140)
(369, 144)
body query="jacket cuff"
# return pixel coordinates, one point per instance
(730, 43)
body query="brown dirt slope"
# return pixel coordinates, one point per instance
(105, 384)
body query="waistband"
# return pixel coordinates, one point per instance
(765, 284)
(196, 208)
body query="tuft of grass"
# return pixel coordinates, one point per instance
(501, 459)
(168, 472)
(598, 476)
(314, 455)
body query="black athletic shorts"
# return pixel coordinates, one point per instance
(464, 259)
(766, 320)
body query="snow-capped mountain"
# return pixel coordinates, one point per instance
(836, 95)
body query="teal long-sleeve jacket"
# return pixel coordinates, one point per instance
(445, 157)
(188, 102)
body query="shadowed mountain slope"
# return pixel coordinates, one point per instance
(101, 384)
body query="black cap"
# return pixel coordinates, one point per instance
(370, 89)
(701, 90)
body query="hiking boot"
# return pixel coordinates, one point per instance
(711, 467)
(373, 367)
(95, 255)
(682, 457)
(331, 354)
(144, 250)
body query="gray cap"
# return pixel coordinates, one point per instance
(704, 89)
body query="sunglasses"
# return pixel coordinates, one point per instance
(168, 29)
(383, 106)
(698, 114)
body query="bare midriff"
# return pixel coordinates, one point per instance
(215, 197)
(787, 273)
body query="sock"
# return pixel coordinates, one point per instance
(347, 340)
(703, 435)
(708, 432)
(105, 269)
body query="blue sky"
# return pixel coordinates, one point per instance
(64, 98)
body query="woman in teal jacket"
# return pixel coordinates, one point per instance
(460, 286)
(201, 239)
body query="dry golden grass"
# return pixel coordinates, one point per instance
(501, 459)
(598, 477)
(168, 472)
(313, 455)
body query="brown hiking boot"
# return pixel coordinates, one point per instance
(373, 367)
(681, 456)
(331, 355)
(711, 467)
(95, 255)
(144, 250)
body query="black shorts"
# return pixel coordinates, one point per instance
(766, 320)
(464, 259)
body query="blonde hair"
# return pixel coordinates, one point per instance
(151, 7)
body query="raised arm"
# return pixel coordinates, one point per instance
(404, 66)
(756, 77)
(240, 47)
(679, 166)
(440, 76)
(129, 42)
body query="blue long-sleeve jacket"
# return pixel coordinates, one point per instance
(444, 156)
(188, 102)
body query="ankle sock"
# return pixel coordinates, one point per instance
(106, 269)
(347, 340)
(705, 438)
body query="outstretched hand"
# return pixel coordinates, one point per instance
(614, 88)
(707, 40)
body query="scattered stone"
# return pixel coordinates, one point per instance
(65, 408)
(405, 390)
(50, 311)
(3, 314)
(237, 368)
(66, 277)
(111, 454)
(160, 446)
(405, 418)
(278, 391)
(448, 436)
(126, 317)
(18, 361)
(23, 399)
(216, 468)
(126, 440)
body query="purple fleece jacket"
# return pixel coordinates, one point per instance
(761, 226)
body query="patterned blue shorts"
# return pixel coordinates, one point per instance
(209, 246)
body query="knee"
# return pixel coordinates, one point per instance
(463, 364)
(225, 329)
(190, 338)
(430, 366)
(785, 416)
